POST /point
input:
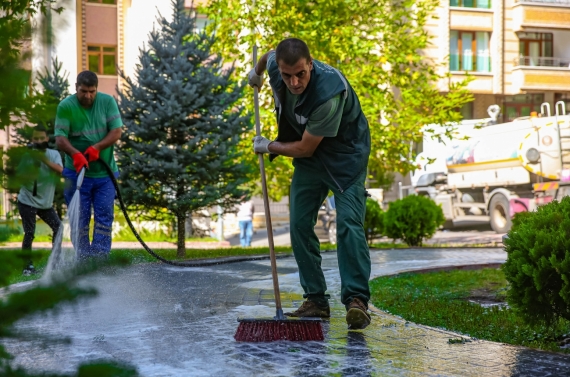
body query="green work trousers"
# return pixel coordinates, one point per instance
(308, 191)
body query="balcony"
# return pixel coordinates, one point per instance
(541, 74)
(547, 2)
(550, 14)
(529, 61)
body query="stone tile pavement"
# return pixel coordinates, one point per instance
(170, 321)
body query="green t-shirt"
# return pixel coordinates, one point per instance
(323, 121)
(85, 127)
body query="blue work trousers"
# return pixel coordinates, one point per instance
(245, 232)
(97, 194)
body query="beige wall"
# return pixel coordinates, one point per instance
(107, 85)
(101, 24)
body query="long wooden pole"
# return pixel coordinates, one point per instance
(279, 310)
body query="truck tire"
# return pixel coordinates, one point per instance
(499, 211)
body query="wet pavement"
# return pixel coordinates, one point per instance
(170, 321)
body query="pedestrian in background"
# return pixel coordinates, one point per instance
(87, 126)
(245, 219)
(36, 198)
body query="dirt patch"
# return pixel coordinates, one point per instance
(486, 297)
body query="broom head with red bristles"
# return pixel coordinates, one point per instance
(271, 329)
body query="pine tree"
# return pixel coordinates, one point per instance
(182, 125)
(55, 88)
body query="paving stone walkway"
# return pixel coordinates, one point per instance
(170, 321)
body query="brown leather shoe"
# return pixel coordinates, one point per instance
(310, 309)
(357, 316)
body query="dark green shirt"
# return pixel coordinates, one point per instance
(324, 121)
(85, 127)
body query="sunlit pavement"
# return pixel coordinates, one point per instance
(170, 321)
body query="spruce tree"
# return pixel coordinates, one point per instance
(54, 87)
(179, 150)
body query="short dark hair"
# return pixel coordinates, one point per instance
(87, 78)
(291, 50)
(39, 128)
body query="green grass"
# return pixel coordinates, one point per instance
(439, 299)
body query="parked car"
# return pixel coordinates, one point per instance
(325, 228)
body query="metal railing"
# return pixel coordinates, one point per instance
(530, 61)
(561, 2)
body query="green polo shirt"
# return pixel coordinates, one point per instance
(324, 121)
(85, 127)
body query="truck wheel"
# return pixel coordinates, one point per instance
(500, 214)
(332, 233)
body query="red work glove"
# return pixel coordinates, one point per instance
(79, 161)
(91, 154)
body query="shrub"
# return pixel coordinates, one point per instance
(413, 219)
(374, 220)
(6, 233)
(538, 263)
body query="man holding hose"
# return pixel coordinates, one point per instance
(87, 126)
(322, 127)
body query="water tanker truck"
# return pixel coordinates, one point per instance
(488, 171)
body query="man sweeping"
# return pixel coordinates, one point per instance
(322, 127)
(87, 126)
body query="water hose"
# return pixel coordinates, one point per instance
(136, 234)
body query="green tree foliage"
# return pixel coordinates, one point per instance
(182, 126)
(55, 87)
(373, 220)
(413, 219)
(43, 299)
(378, 46)
(538, 263)
(15, 29)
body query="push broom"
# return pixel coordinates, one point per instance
(278, 327)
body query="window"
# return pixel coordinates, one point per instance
(481, 4)
(469, 51)
(521, 105)
(533, 47)
(102, 59)
(103, 1)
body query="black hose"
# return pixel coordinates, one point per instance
(148, 249)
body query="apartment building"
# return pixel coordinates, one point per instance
(517, 51)
(103, 36)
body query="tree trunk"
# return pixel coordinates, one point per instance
(181, 241)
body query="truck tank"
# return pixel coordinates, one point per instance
(486, 160)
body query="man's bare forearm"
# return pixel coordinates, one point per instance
(64, 145)
(297, 149)
(53, 166)
(261, 65)
(290, 149)
(108, 140)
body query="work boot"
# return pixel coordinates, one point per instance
(310, 309)
(357, 316)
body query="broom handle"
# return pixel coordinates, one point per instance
(266, 200)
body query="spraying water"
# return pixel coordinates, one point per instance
(63, 259)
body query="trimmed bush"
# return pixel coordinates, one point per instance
(7, 232)
(538, 263)
(413, 219)
(373, 221)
